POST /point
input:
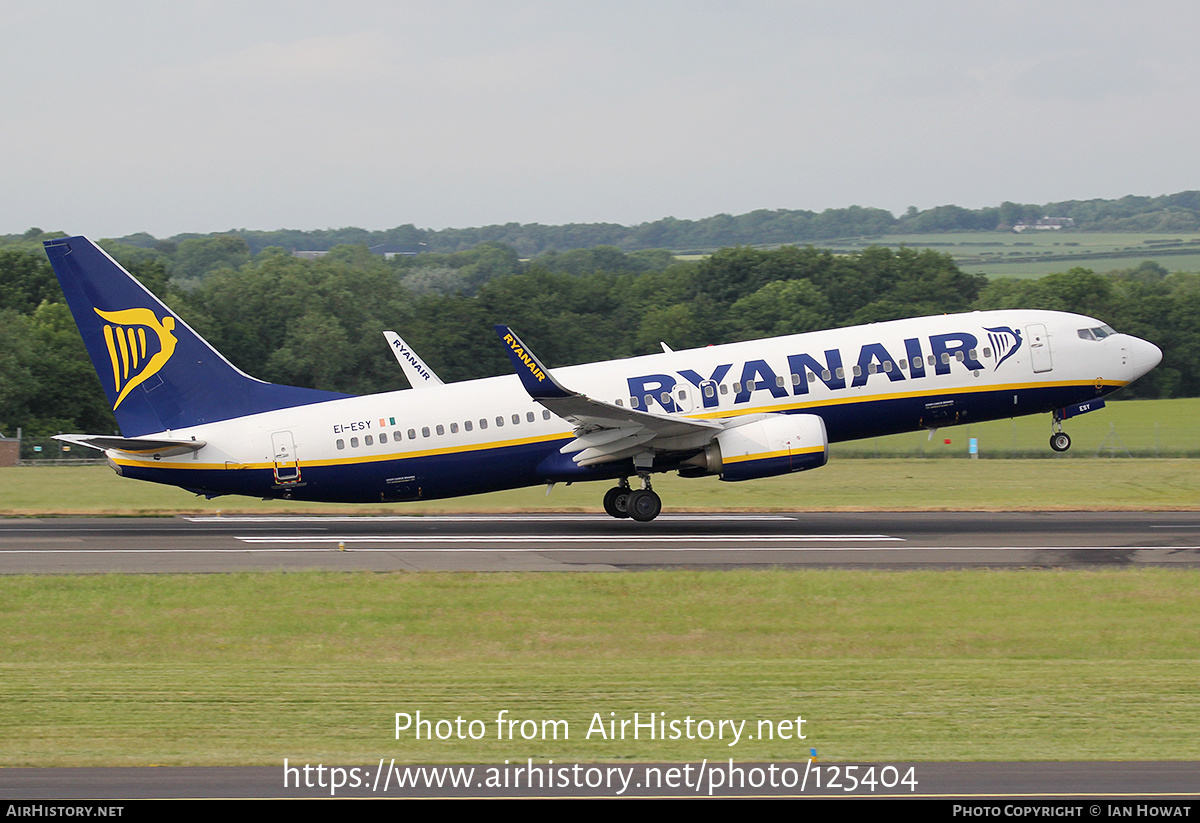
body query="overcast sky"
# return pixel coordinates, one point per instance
(121, 117)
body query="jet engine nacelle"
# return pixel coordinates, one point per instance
(775, 444)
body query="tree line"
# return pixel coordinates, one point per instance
(318, 322)
(1178, 212)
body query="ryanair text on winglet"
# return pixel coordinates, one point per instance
(526, 359)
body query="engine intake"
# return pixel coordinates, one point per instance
(778, 444)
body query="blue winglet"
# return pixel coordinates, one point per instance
(534, 376)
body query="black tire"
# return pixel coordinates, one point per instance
(644, 505)
(1060, 441)
(616, 502)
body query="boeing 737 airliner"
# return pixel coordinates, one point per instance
(189, 418)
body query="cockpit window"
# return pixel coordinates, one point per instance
(1086, 334)
(1096, 333)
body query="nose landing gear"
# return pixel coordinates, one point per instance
(1060, 441)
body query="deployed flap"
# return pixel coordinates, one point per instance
(603, 431)
(142, 446)
(419, 375)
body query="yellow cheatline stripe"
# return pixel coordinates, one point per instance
(769, 455)
(344, 461)
(843, 400)
(836, 401)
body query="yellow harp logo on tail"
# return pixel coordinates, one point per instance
(134, 356)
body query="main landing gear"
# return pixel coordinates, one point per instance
(1060, 441)
(641, 504)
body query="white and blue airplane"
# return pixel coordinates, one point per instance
(759, 408)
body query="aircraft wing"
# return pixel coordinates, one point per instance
(419, 375)
(141, 446)
(603, 431)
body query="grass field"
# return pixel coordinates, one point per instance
(1141, 428)
(1037, 253)
(1075, 480)
(843, 485)
(883, 666)
(227, 669)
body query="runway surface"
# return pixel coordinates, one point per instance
(594, 542)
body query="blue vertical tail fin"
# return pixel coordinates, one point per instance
(158, 373)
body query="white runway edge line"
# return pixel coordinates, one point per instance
(401, 549)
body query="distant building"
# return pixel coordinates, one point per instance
(10, 451)
(390, 250)
(1047, 224)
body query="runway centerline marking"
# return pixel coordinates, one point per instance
(483, 518)
(606, 538)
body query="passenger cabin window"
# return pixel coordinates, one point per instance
(441, 430)
(412, 434)
(424, 431)
(516, 419)
(341, 444)
(382, 437)
(468, 425)
(482, 423)
(354, 442)
(499, 421)
(529, 416)
(368, 440)
(545, 414)
(454, 428)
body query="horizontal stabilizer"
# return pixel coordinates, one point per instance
(141, 446)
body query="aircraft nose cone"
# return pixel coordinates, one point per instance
(1146, 355)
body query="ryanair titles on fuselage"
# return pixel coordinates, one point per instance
(936, 353)
(529, 362)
